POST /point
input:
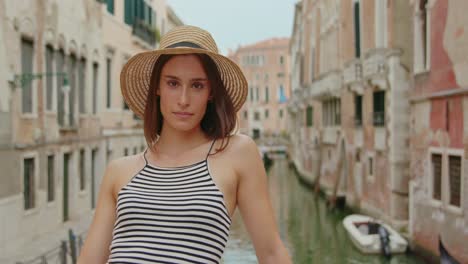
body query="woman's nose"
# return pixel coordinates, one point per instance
(184, 97)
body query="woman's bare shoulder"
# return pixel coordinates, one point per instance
(241, 147)
(242, 142)
(121, 169)
(126, 163)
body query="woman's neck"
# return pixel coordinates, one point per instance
(175, 142)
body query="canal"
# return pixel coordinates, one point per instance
(312, 233)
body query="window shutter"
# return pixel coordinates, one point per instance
(357, 29)
(455, 180)
(27, 53)
(436, 176)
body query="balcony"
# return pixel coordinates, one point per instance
(375, 63)
(378, 118)
(328, 85)
(145, 32)
(293, 104)
(352, 72)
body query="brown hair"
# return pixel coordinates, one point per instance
(220, 117)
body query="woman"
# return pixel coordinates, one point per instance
(174, 202)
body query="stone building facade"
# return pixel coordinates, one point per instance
(266, 67)
(347, 101)
(439, 127)
(62, 117)
(378, 108)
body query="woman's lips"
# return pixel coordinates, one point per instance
(183, 114)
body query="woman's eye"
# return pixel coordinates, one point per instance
(172, 83)
(197, 85)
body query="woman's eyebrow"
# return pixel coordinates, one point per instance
(201, 79)
(171, 77)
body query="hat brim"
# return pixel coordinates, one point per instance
(136, 74)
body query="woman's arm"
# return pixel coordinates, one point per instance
(255, 205)
(96, 245)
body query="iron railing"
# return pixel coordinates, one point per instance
(66, 252)
(145, 32)
(379, 118)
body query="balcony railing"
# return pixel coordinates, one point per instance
(375, 63)
(379, 118)
(352, 72)
(329, 85)
(145, 32)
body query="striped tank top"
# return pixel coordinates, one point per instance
(170, 215)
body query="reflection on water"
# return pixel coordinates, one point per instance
(312, 233)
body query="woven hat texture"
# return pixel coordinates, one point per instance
(136, 73)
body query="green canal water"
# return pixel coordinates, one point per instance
(311, 232)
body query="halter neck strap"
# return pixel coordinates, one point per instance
(211, 147)
(144, 156)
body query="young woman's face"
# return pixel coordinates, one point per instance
(184, 91)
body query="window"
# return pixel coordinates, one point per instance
(358, 110)
(82, 170)
(108, 84)
(95, 86)
(281, 60)
(331, 112)
(82, 85)
(379, 108)
(125, 151)
(129, 12)
(246, 114)
(72, 67)
(257, 94)
(110, 6)
(310, 116)
(281, 94)
(256, 116)
(455, 180)
(266, 113)
(135, 150)
(49, 58)
(436, 160)
(371, 166)
(50, 178)
(280, 113)
(93, 176)
(27, 54)
(60, 92)
(357, 28)
(425, 37)
(28, 187)
(267, 94)
(251, 94)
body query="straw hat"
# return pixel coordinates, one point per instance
(136, 74)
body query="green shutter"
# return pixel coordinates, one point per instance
(357, 29)
(110, 6)
(310, 116)
(127, 13)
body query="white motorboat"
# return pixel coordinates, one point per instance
(373, 237)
